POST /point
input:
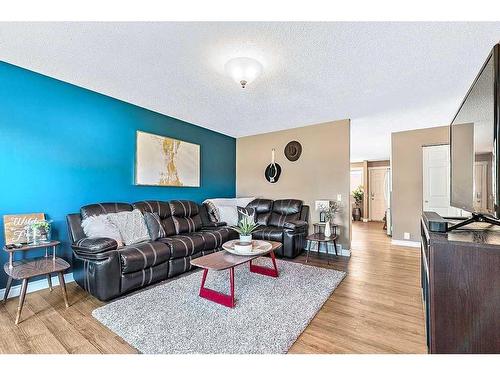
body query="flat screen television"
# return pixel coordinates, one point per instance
(474, 145)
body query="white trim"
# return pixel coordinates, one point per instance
(405, 243)
(36, 285)
(340, 249)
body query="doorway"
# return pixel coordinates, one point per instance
(436, 180)
(378, 194)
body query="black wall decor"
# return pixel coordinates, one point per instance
(273, 170)
(293, 150)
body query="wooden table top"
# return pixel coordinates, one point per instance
(222, 260)
(26, 268)
(320, 237)
(31, 247)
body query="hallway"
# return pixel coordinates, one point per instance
(378, 306)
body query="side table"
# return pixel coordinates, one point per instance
(320, 238)
(27, 268)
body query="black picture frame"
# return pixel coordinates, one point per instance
(322, 217)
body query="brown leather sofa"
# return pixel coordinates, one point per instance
(285, 221)
(106, 271)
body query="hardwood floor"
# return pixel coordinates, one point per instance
(376, 309)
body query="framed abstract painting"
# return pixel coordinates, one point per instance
(164, 161)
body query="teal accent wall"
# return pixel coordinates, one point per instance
(63, 147)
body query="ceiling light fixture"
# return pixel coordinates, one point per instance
(243, 70)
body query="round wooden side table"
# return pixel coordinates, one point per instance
(320, 238)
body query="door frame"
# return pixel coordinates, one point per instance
(388, 167)
(484, 165)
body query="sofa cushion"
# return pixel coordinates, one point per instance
(143, 255)
(262, 208)
(186, 216)
(164, 213)
(269, 233)
(103, 208)
(184, 245)
(155, 228)
(287, 206)
(285, 210)
(214, 238)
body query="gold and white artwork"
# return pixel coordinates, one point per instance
(163, 161)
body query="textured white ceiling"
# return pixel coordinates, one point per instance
(383, 76)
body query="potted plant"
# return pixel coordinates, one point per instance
(330, 211)
(39, 232)
(245, 227)
(357, 194)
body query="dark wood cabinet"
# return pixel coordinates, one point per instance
(460, 275)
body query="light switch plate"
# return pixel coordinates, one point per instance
(339, 197)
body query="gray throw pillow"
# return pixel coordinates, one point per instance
(131, 225)
(246, 211)
(155, 228)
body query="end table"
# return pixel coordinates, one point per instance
(320, 238)
(27, 268)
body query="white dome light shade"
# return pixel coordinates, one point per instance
(243, 70)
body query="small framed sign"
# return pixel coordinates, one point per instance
(14, 226)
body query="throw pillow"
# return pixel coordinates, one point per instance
(153, 223)
(101, 226)
(228, 214)
(131, 225)
(246, 211)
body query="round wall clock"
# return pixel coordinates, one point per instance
(293, 150)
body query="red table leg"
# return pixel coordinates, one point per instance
(267, 271)
(218, 297)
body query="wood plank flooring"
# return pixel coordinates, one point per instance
(376, 309)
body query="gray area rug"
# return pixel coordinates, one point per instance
(270, 313)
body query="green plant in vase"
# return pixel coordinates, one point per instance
(358, 195)
(245, 227)
(41, 231)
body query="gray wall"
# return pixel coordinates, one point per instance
(322, 172)
(407, 189)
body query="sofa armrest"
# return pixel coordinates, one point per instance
(214, 224)
(295, 224)
(93, 246)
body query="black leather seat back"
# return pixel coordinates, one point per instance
(186, 216)
(103, 208)
(262, 209)
(75, 229)
(285, 210)
(163, 210)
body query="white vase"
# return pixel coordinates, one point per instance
(328, 229)
(247, 238)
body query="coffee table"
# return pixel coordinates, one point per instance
(223, 260)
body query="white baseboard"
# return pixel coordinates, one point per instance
(405, 243)
(340, 250)
(33, 286)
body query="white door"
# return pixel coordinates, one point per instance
(436, 180)
(377, 180)
(480, 186)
